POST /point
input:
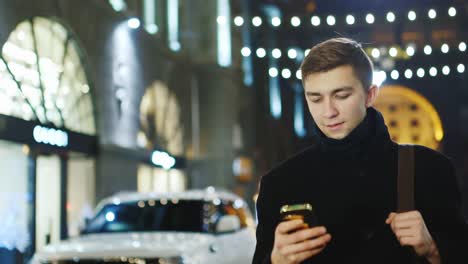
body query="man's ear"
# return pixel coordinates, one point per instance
(372, 94)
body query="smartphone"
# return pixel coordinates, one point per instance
(299, 211)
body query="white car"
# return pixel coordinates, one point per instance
(196, 227)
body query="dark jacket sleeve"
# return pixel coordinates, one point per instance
(266, 223)
(444, 217)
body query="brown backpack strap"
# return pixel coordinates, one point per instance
(405, 178)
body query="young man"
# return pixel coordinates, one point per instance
(350, 179)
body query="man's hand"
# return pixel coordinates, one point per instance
(410, 230)
(294, 244)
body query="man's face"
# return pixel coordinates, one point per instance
(337, 101)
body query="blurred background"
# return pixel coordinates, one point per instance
(102, 96)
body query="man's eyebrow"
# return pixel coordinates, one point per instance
(312, 94)
(336, 90)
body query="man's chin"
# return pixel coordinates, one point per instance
(337, 136)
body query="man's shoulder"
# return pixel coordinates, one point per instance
(431, 160)
(429, 155)
(297, 162)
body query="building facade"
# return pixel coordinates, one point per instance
(93, 104)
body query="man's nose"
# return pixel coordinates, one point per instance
(330, 110)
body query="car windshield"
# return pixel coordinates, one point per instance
(155, 215)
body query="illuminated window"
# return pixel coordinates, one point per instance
(160, 120)
(410, 117)
(42, 77)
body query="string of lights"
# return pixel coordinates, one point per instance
(392, 51)
(407, 73)
(331, 20)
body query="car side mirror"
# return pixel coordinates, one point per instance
(228, 223)
(84, 225)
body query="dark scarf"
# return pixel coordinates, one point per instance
(370, 136)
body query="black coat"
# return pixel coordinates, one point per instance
(352, 196)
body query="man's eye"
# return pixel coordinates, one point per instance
(342, 96)
(315, 100)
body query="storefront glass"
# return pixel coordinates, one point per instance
(48, 200)
(80, 191)
(15, 198)
(151, 179)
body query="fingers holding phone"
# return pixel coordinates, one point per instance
(294, 244)
(298, 237)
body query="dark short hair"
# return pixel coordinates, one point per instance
(337, 52)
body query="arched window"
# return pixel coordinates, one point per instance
(43, 77)
(409, 116)
(161, 127)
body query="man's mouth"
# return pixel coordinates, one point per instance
(335, 125)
